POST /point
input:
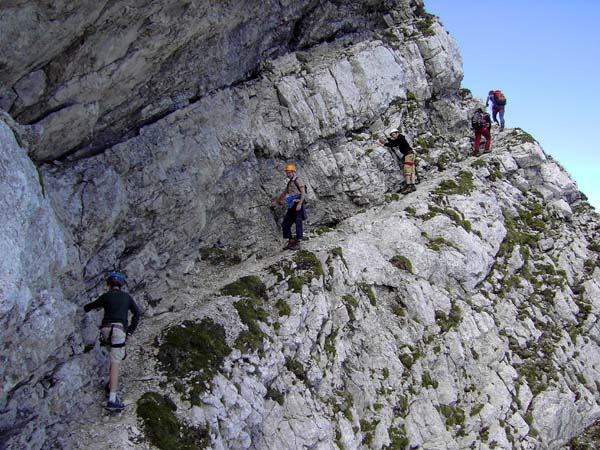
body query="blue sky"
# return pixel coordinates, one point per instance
(545, 57)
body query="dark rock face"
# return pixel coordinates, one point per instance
(91, 73)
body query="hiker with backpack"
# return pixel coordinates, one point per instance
(498, 101)
(398, 141)
(115, 330)
(293, 193)
(481, 124)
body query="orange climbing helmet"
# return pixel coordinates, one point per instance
(290, 167)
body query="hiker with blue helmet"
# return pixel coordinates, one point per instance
(115, 329)
(296, 212)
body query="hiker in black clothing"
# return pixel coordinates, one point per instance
(482, 124)
(398, 141)
(296, 213)
(115, 330)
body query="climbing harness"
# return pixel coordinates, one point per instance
(108, 341)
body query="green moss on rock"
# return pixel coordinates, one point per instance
(308, 267)
(250, 313)
(194, 353)
(295, 283)
(464, 186)
(296, 367)
(522, 136)
(275, 395)
(163, 429)
(369, 293)
(402, 262)
(398, 438)
(247, 287)
(282, 308)
(454, 415)
(447, 322)
(309, 263)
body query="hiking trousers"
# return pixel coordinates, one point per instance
(293, 217)
(409, 168)
(498, 111)
(486, 134)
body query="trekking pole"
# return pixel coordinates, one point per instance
(258, 206)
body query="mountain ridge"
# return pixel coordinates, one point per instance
(481, 287)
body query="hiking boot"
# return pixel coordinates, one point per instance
(487, 151)
(117, 405)
(475, 153)
(107, 388)
(292, 244)
(413, 188)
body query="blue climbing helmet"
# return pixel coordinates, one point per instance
(115, 279)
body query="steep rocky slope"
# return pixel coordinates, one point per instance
(459, 316)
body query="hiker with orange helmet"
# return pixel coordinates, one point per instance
(498, 100)
(296, 213)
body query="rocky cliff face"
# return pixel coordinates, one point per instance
(151, 137)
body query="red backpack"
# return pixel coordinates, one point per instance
(499, 98)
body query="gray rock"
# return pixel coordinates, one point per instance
(460, 315)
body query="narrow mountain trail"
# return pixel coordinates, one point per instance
(197, 295)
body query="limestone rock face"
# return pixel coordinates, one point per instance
(101, 70)
(461, 315)
(41, 362)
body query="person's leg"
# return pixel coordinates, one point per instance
(488, 139)
(299, 225)
(113, 380)
(477, 141)
(501, 119)
(117, 355)
(409, 170)
(286, 225)
(494, 113)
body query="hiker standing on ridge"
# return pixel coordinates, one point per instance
(482, 124)
(115, 330)
(498, 103)
(397, 140)
(294, 194)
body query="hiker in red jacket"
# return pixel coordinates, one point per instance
(498, 103)
(482, 124)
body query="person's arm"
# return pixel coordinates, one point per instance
(299, 205)
(97, 304)
(135, 310)
(278, 199)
